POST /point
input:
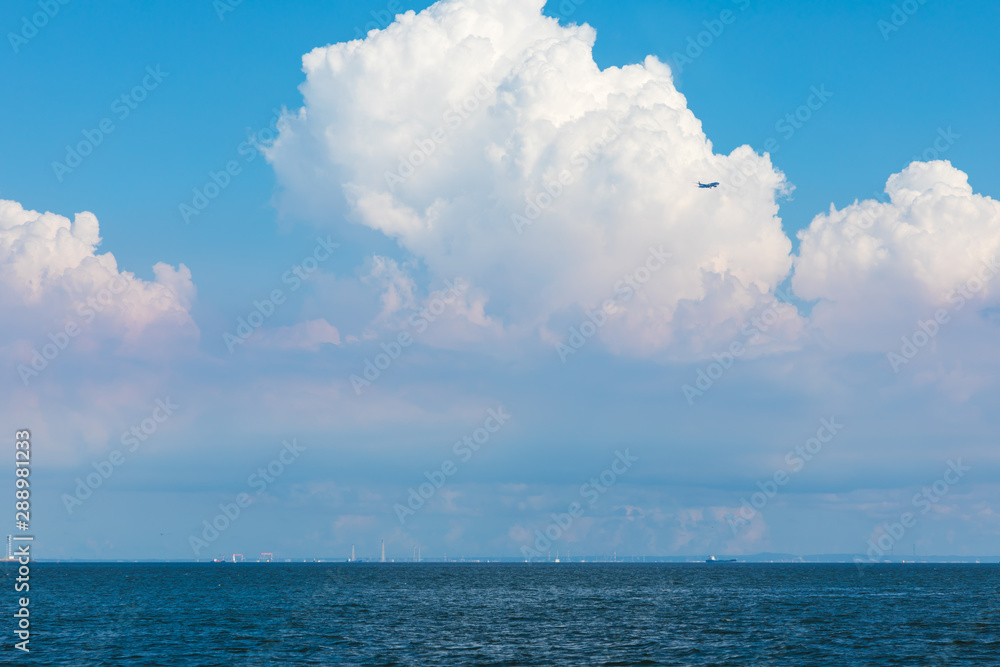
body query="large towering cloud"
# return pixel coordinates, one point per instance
(483, 138)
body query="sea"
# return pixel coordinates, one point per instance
(502, 614)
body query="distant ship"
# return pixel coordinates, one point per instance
(713, 559)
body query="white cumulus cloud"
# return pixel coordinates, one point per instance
(877, 269)
(51, 275)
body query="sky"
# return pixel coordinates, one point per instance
(301, 278)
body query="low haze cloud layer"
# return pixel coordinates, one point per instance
(551, 255)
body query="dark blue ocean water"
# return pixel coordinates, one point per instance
(509, 614)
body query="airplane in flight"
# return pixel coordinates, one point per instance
(708, 185)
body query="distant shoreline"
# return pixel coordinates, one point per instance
(748, 560)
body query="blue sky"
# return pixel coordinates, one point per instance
(892, 95)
